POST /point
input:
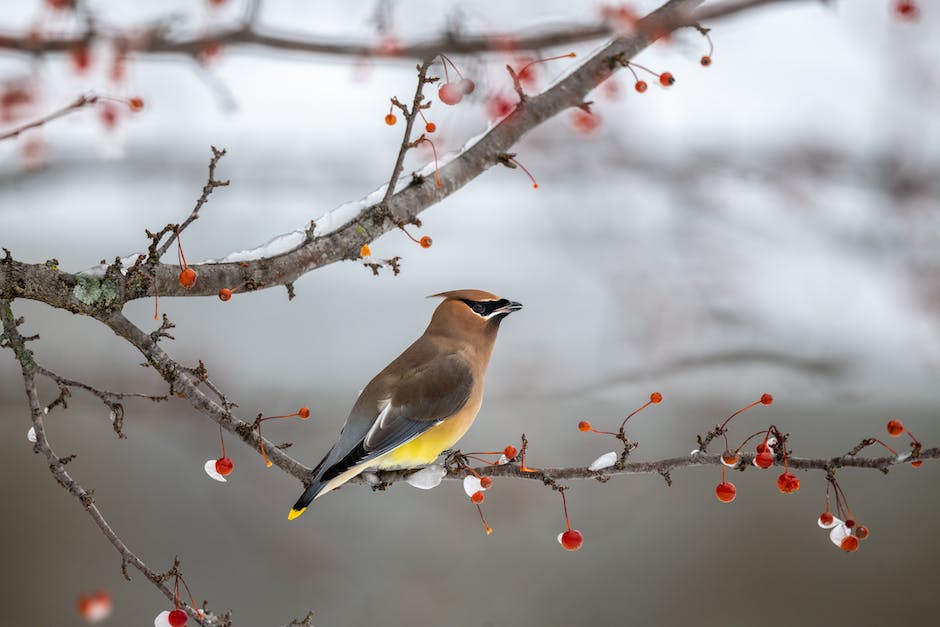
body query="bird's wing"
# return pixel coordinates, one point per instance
(425, 396)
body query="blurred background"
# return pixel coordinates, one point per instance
(769, 224)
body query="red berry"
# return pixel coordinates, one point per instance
(188, 277)
(225, 294)
(224, 466)
(730, 459)
(390, 119)
(906, 9)
(666, 79)
(788, 483)
(477, 497)
(304, 413)
(572, 540)
(109, 115)
(849, 544)
(917, 463)
(430, 127)
(585, 122)
(726, 492)
(656, 398)
(640, 86)
(706, 60)
(825, 518)
(486, 483)
(766, 399)
(450, 93)
(584, 426)
(861, 532)
(510, 452)
(177, 618)
(895, 428)
(762, 447)
(764, 460)
(210, 51)
(499, 107)
(81, 58)
(425, 242)
(466, 86)
(849, 523)
(60, 5)
(135, 104)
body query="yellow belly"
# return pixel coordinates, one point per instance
(425, 448)
(421, 451)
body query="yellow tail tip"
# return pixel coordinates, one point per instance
(294, 513)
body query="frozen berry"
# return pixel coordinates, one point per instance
(450, 93)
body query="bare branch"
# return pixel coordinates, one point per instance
(57, 466)
(79, 103)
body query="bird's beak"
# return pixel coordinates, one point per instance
(508, 308)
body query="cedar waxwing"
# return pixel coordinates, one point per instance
(421, 403)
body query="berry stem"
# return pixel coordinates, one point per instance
(564, 505)
(535, 185)
(555, 58)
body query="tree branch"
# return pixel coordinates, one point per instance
(29, 369)
(79, 103)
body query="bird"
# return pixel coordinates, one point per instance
(423, 402)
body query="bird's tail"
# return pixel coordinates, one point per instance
(305, 499)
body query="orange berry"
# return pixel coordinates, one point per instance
(225, 294)
(486, 483)
(917, 463)
(304, 413)
(640, 86)
(135, 104)
(584, 426)
(849, 544)
(766, 399)
(656, 398)
(365, 251)
(730, 459)
(895, 428)
(426, 242)
(430, 127)
(390, 119)
(188, 277)
(510, 452)
(706, 60)
(666, 79)
(825, 518)
(726, 492)
(477, 497)
(788, 483)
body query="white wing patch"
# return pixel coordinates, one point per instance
(381, 421)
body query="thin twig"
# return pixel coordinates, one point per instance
(207, 189)
(410, 115)
(57, 464)
(79, 103)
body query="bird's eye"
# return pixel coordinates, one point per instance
(478, 308)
